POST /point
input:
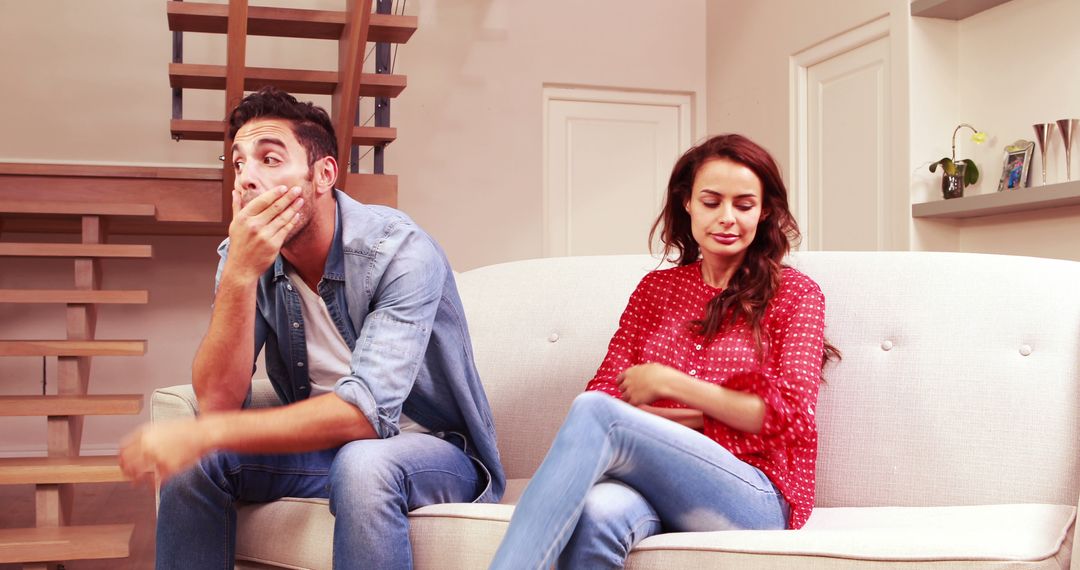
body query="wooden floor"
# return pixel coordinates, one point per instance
(98, 503)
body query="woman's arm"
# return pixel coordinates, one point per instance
(625, 344)
(688, 417)
(646, 383)
(781, 401)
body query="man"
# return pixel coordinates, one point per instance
(366, 345)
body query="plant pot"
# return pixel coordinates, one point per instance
(952, 185)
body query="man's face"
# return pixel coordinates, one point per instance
(266, 155)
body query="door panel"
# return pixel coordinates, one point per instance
(607, 165)
(848, 126)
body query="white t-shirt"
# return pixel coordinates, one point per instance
(328, 354)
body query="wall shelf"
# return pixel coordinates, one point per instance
(1011, 201)
(951, 9)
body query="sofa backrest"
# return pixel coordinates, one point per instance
(960, 382)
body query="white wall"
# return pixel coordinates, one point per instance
(1001, 70)
(470, 123)
(94, 88)
(1018, 65)
(87, 82)
(750, 47)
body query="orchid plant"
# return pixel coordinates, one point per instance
(949, 165)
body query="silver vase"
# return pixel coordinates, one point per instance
(1043, 132)
(1066, 127)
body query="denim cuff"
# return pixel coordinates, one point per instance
(355, 392)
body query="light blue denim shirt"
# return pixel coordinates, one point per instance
(391, 293)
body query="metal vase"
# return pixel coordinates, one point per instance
(1066, 127)
(1043, 132)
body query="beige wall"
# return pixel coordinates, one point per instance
(1001, 70)
(469, 123)
(87, 82)
(1018, 65)
(750, 45)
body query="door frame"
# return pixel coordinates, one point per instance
(799, 64)
(682, 101)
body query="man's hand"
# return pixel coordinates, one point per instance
(647, 383)
(258, 229)
(164, 448)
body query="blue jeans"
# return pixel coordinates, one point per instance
(372, 485)
(616, 475)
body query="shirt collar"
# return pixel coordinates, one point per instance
(335, 261)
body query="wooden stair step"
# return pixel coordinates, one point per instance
(76, 208)
(203, 76)
(286, 22)
(75, 296)
(60, 470)
(196, 130)
(72, 347)
(60, 543)
(373, 136)
(13, 249)
(72, 405)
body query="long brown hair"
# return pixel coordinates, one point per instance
(757, 278)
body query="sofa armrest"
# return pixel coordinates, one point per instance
(179, 401)
(1074, 562)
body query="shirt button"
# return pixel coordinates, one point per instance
(697, 347)
(1025, 350)
(553, 337)
(296, 325)
(299, 364)
(693, 372)
(886, 345)
(288, 286)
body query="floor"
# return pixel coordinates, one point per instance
(98, 503)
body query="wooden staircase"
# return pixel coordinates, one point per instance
(352, 28)
(53, 539)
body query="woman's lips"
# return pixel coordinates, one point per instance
(726, 239)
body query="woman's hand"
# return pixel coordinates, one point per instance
(647, 383)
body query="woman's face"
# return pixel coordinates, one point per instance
(725, 208)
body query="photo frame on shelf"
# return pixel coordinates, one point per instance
(1015, 168)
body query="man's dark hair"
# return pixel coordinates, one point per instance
(311, 125)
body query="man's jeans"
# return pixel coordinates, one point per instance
(372, 485)
(616, 475)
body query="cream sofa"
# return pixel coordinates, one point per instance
(948, 434)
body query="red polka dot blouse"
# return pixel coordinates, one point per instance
(653, 329)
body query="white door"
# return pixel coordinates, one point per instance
(607, 159)
(848, 149)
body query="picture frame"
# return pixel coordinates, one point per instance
(1015, 167)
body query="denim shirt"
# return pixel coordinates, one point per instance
(391, 293)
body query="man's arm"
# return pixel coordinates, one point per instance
(221, 372)
(317, 423)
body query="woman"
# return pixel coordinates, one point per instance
(716, 363)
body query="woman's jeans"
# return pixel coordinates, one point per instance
(372, 485)
(616, 475)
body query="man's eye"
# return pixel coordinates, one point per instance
(272, 161)
(237, 165)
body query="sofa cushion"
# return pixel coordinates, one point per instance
(465, 536)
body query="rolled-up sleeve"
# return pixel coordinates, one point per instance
(625, 346)
(391, 344)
